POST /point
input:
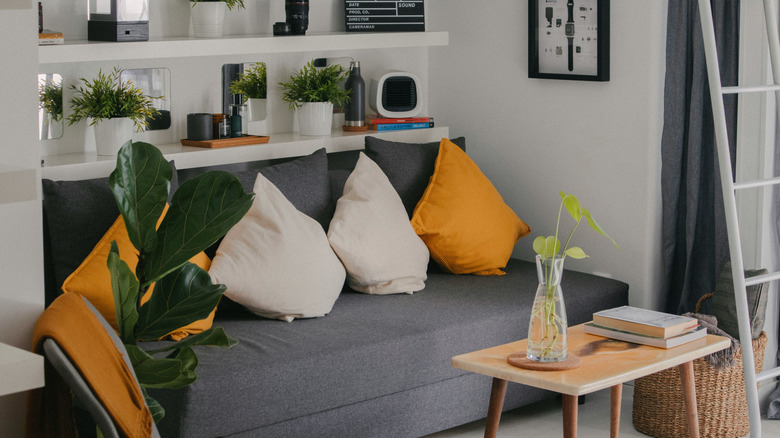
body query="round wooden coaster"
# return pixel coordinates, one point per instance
(521, 361)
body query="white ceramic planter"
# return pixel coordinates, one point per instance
(315, 118)
(257, 109)
(111, 134)
(208, 19)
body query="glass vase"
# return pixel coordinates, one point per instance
(547, 337)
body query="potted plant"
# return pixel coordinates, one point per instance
(252, 85)
(208, 16)
(313, 92)
(50, 101)
(547, 330)
(113, 107)
(183, 292)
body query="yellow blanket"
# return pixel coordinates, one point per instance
(80, 335)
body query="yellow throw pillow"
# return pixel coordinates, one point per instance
(92, 279)
(463, 219)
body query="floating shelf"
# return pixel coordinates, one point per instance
(20, 370)
(85, 51)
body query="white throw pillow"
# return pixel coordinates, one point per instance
(372, 236)
(277, 262)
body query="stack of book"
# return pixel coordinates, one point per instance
(48, 37)
(378, 123)
(648, 327)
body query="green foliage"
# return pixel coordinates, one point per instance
(230, 3)
(201, 212)
(107, 97)
(312, 84)
(252, 83)
(50, 99)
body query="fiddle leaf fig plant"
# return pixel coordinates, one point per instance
(202, 210)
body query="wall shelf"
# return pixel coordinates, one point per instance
(86, 51)
(76, 166)
(20, 370)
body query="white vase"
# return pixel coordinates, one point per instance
(315, 118)
(208, 19)
(111, 134)
(257, 109)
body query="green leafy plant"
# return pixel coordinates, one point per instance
(50, 99)
(312, 84)
(239, 4)
(107, 97)
(252, 83)
(201, 211)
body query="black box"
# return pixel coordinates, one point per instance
(118, 31)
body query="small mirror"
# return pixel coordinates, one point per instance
(50, 123)
(245, 83)
(156, 83)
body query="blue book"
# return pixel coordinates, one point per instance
(397, 126)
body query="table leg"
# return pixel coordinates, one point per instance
(689, 398)
(569, 416)
(616, 394)
(497, 394)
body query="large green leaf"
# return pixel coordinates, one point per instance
(597, 227)
(158, 412)
(140, 183)
(576, 253)
(202, 210)
(180, 298)
(168, 372)
(125, 288)
(213, 337)
(572, 205)
(547, 246)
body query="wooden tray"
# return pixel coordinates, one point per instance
(226, 142)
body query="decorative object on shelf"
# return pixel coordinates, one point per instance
(200, 127)
(297, 12)
(313, 92)
(568, 41)
(50, 106)
(118, 20)
(106, 98)
(153, 82)
(396, 95)
(253, 86)
(282, 28)
(221, 126)
(355, 111)
(208, 16)
(238, 119)
(183, 292)
(386, 16)
(547, 330)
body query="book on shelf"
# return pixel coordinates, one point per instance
(49, 37)
(398, 126)
(644, 321)
(691, 335)
(377, 120)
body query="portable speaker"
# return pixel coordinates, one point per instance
(396, 94)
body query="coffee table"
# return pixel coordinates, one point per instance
(606, 363)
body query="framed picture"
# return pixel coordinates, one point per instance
(568, 39)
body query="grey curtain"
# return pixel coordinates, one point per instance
(695, 245)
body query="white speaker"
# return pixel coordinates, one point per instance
(396, 94)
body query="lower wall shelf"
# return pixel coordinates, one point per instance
(76, 166)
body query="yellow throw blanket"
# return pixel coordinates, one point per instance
(83, 338)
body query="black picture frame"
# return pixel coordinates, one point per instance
(554, 54)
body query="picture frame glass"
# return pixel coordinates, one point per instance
(568, 37)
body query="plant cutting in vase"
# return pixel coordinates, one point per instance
(318, 86)
(547, 340)
(50, 99)
(183, 292)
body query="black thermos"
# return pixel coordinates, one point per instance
(297, 15)
(355, 112)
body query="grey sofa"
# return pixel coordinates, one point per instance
(376, 365)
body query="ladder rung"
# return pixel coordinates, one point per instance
(768, 374)
(765, 278)
(755, 89)
(756, 183)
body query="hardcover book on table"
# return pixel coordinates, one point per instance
(644, 321)
(637, 338)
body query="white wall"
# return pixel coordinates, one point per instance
(535, 137)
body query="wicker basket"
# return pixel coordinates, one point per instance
(720, 398)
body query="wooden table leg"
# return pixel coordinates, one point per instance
(497, 394)
(616, 394)
(569, 416)
(689, 398)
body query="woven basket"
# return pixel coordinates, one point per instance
(720, 398)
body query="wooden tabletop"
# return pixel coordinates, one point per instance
(605, 362)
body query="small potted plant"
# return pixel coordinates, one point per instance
(253, 87)
(112, 107)
(50, 101)
(313, 92)
(208, 16)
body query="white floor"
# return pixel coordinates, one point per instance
(544, 419)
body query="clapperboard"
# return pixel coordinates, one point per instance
(385, 16)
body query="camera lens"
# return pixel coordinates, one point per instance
(297, 16)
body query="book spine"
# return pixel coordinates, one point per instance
(50, 41)
(399, 126)
(381, 121)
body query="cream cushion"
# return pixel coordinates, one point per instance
(371, 234)
(277, 262)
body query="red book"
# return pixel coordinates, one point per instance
(376, 120)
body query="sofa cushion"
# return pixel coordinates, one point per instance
(367, 347)
(463, 219)
(276, 261)
(408, 166)
(373, 238)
